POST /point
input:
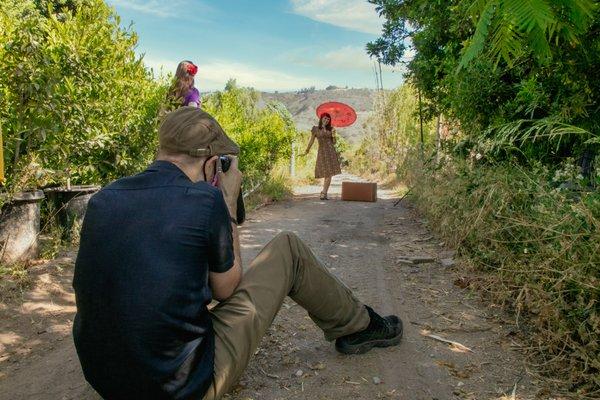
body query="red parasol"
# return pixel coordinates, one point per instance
(342, 115)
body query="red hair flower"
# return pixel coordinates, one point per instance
(192, 69)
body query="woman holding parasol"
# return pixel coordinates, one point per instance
(328, 162)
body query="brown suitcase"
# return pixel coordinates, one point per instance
(359, 191)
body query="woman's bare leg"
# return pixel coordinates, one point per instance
(326, 184)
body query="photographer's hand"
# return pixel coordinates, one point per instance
(223, 285)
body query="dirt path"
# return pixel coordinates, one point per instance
(359, 242)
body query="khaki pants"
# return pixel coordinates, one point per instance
(285, 267)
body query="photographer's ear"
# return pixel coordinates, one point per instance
(210, 168)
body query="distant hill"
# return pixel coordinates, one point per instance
(302, 106)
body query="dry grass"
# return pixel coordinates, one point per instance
(539, 249)
(14, 280)
(276, 188)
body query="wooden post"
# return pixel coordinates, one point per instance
(421, 122)
(438, 140)
(1, 159)
(293, 160)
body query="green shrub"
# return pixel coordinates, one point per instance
(75, 99)
(263, 134)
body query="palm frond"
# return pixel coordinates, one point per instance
(477, 8)
(505, 42)
(529, 14)
(516, 134)
(478, 40)
(538, 43)
(510, 27)
(581, 12)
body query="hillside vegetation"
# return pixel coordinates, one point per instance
(302, 106)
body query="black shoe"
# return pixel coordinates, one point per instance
(381, 332)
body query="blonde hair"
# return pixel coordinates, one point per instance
(182, 83)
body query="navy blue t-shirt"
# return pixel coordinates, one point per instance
(148, 242)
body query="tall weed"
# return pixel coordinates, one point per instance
(539, 249)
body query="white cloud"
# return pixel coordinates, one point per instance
(214, 75)
(217, 73)
(162, 8)
(160, 66)
(348, 58)
(357, 15)
(157, 8)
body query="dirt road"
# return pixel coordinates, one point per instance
(363, 244)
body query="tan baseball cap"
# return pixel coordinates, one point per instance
(192, 131)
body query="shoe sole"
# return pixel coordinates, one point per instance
(367, 346)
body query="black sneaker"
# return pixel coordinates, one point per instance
(381, 332)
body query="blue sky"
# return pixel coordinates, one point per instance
(267, 44)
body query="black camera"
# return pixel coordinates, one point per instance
(241, 208)
(225, 163)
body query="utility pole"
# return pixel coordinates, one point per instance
(376, 75)
(380, 75)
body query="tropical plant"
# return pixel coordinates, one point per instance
(488, 91)
(511, 28)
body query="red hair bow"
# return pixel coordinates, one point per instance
(192, 69)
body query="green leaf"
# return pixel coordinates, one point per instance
(481, 33)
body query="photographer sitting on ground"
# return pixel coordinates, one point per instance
(157, 247)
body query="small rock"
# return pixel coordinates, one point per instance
(404, 261)
(318, 366)
(447, 262)
(459, 384)
(447, 254)
(299, 373)
(376, 380)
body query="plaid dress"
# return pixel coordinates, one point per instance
(328, 163)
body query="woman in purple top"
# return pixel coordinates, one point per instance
(183, 92)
